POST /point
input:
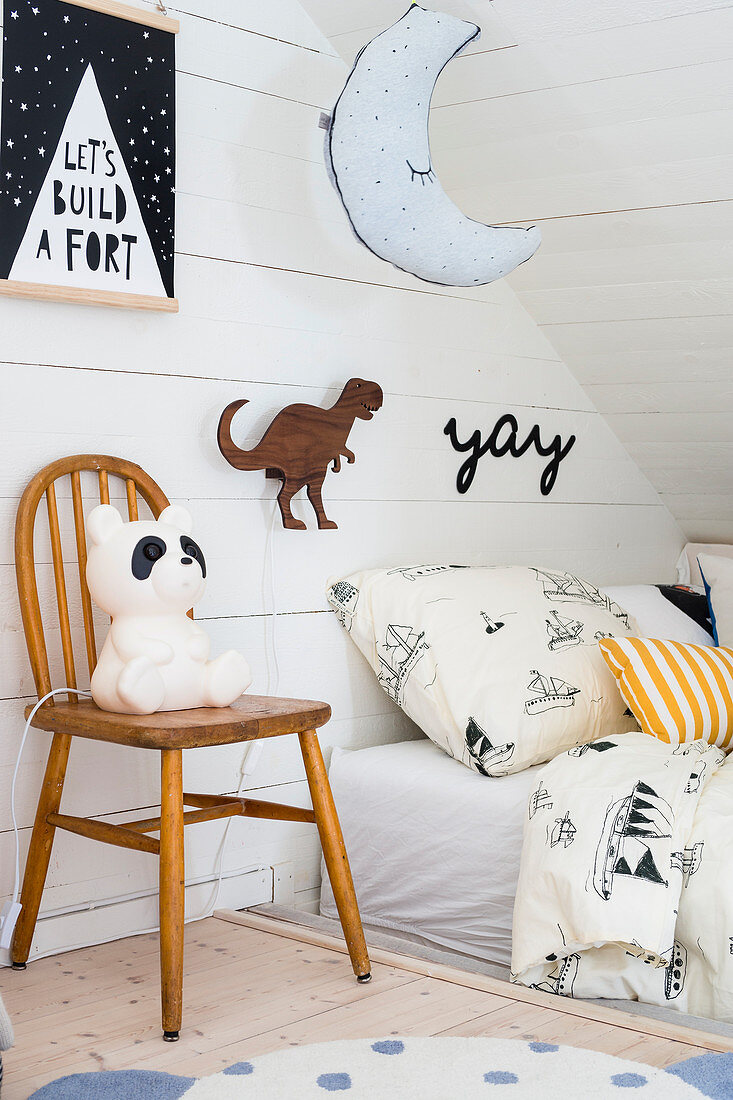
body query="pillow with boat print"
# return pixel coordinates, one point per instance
(499, 666)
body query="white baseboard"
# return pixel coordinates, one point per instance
(102, 922)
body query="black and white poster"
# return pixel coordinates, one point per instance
(87, 152)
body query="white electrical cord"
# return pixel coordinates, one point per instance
(11, 909)
(31, 716)
(254, 749)
(270, 556)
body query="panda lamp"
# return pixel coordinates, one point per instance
(146, 575)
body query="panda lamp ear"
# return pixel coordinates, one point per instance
(102, 523)
(177, 516)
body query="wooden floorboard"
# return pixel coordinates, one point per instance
(667, 1027)
(249, 991)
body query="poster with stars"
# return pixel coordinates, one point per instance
(87, 154)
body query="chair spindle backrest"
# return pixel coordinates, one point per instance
(137, 482)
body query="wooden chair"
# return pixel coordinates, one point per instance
(169, 733)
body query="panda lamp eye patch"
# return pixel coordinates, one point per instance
(149, 550)
(192, 550)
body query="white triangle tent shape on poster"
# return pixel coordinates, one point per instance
(50, 247)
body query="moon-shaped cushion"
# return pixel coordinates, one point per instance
(379, 153)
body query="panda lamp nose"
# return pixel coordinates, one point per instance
(186, 561)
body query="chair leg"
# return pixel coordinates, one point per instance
(334, 853)
(172, 891)
(39, 853)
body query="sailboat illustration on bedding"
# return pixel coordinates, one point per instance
(561, 978)
(482, 752)
(563, 832)
(688, 861)
(563, 632)
(540, 800)
(401, 651)
(632, 825)
(564, 586)
(550, 692)
(675, 972)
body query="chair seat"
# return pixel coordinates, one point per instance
(251, 717)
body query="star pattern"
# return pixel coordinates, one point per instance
(47, 49)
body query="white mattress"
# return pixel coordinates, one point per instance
(434, 848)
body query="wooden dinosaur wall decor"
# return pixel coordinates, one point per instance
(300, 444)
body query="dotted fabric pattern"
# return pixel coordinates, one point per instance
(379, 154)
(428, 1069)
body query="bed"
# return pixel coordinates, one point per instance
(435, 847)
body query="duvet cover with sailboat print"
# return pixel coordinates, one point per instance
(625, 889)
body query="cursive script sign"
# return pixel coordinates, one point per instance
(504, 440)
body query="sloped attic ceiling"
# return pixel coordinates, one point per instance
(611, 126)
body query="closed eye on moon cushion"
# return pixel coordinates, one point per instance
(379, 154)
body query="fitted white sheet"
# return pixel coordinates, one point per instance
(434, 848)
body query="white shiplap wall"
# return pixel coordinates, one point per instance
(611, 126)
(633, 286)
(279, 303)
(621, 118)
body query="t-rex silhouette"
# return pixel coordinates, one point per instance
(301, 442)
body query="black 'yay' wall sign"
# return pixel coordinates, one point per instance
(504, 440)
(87, 153)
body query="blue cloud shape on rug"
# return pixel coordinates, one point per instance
(500, 1077)
(388, 1046)
(492, 1066)
(712, 1074)
(131, 1084)
(334, 1082)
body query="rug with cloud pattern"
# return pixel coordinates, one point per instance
(424, 1068)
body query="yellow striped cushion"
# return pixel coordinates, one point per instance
(677, 692)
